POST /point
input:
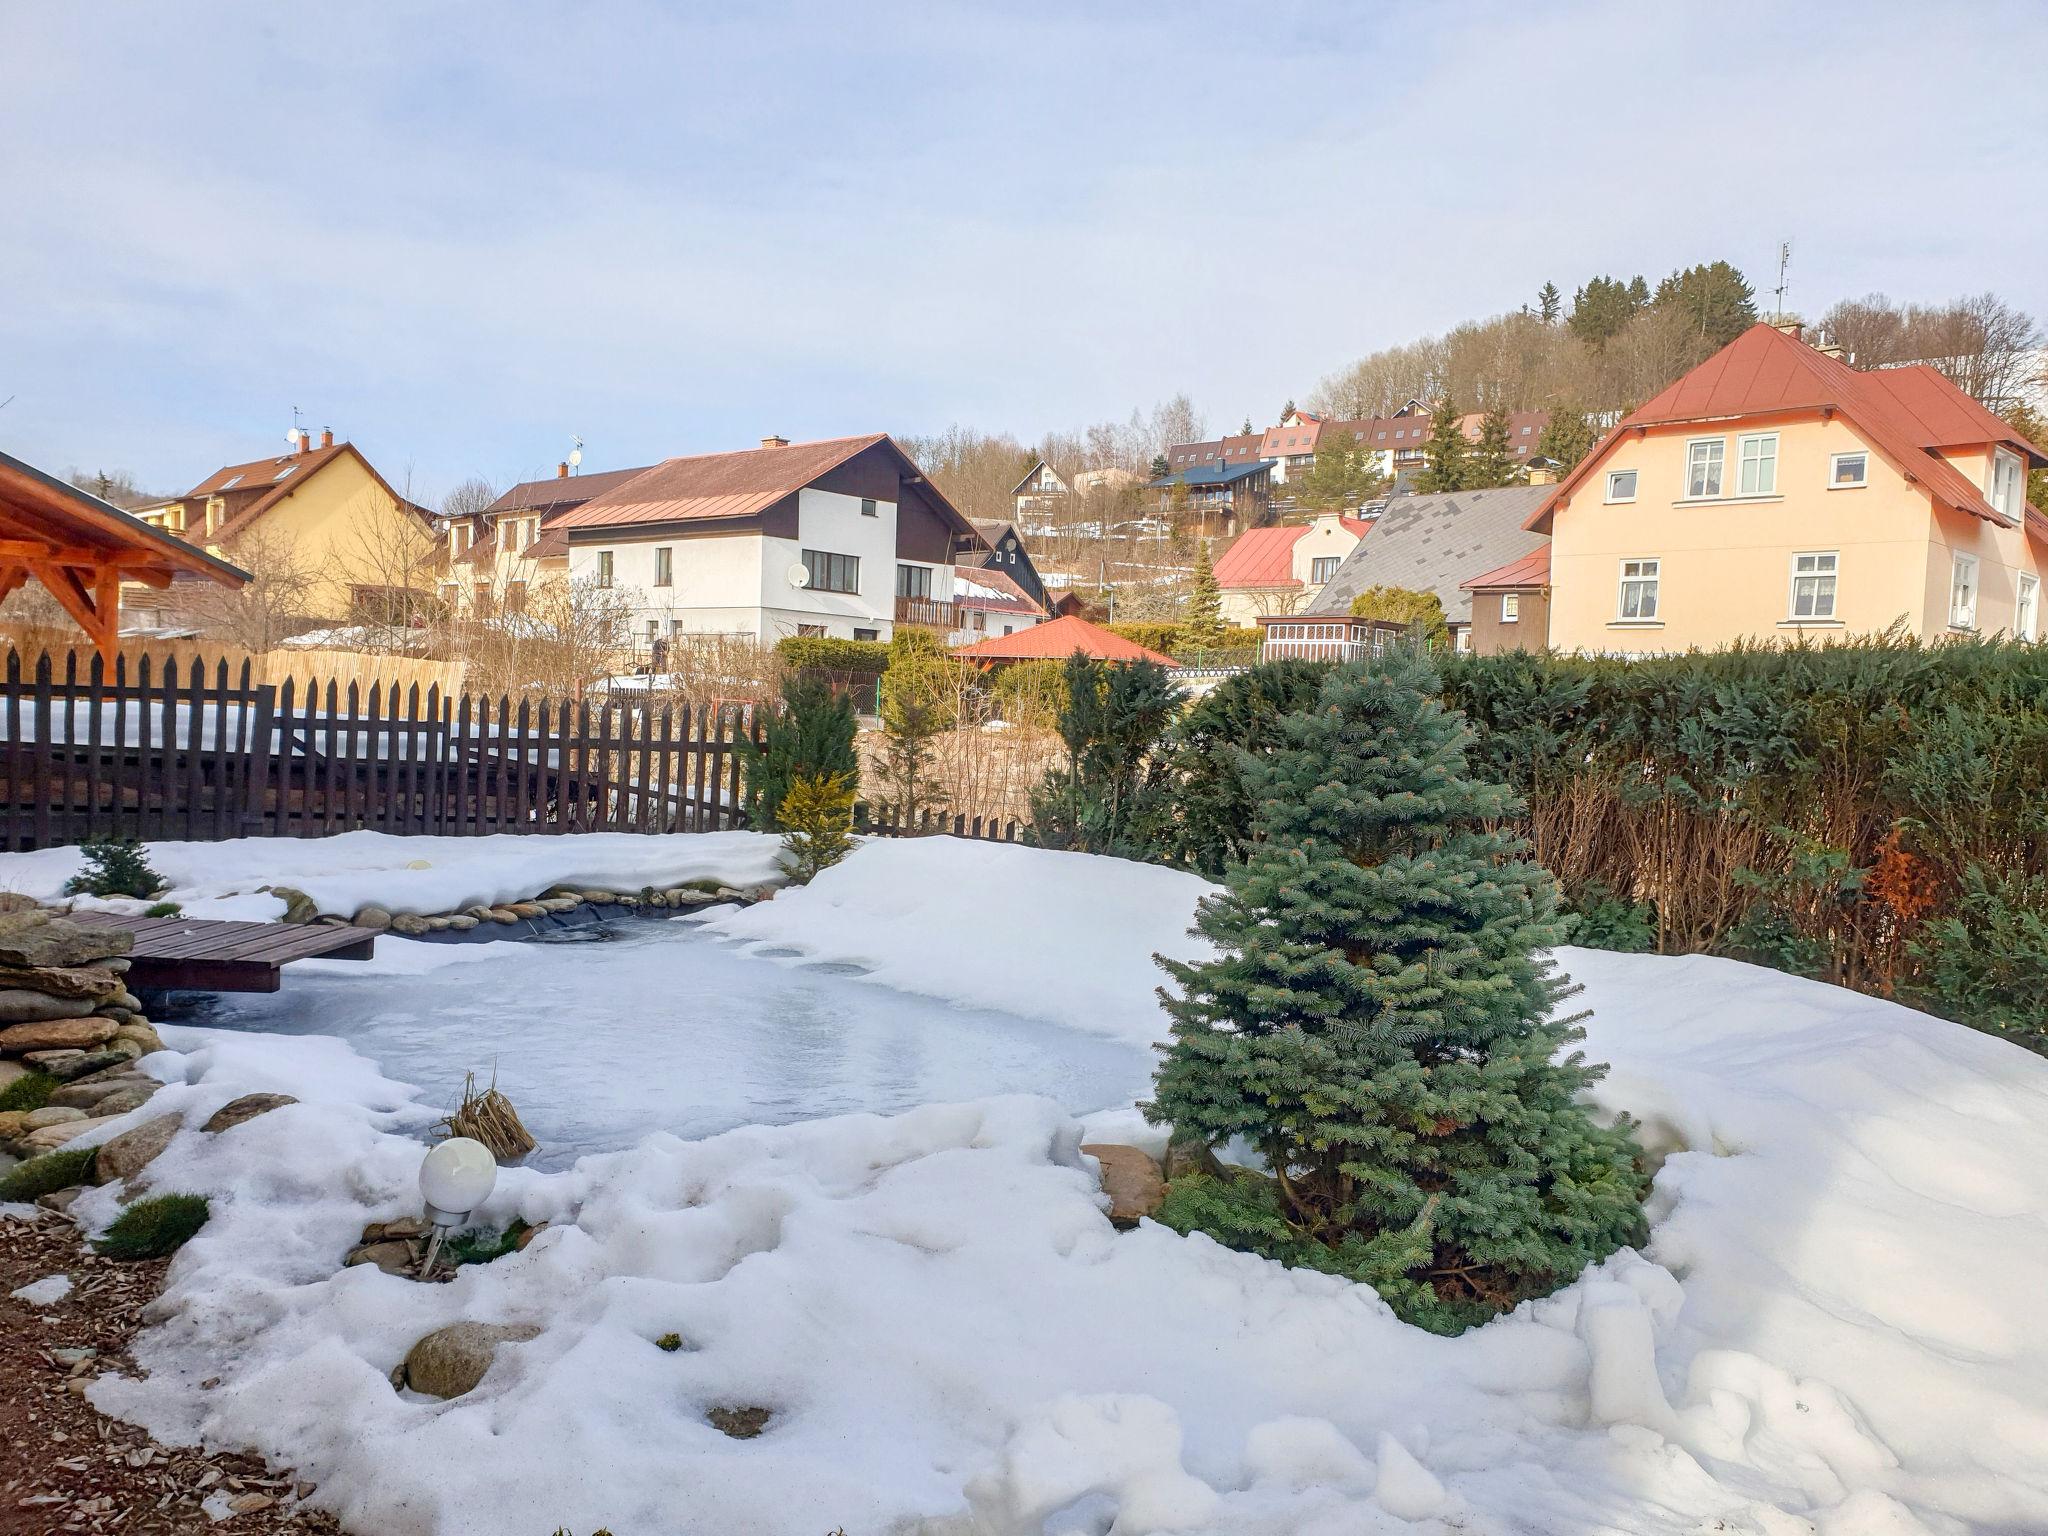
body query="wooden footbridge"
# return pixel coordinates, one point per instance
(202, 954)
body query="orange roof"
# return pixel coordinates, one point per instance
(1906, 414)
(1531, 570)
(1261, 557)
(1056, 640)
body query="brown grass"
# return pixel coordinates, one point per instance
(489, 1117)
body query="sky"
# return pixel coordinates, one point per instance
(459, 233)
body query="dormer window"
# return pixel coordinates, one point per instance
(2007, 474)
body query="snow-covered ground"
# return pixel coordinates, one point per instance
(1832, 1330)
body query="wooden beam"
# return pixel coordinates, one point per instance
(11, 577)
(101, 627)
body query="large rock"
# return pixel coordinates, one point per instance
(57, 942)
(16, 901)
(62, 981)
(69, 1066)
(373, 917)
(132, 1097)
(141, 1034)
(298, 906)
(85, 1095)
(67, 1034)
(10, 1123)
(10, 1070)
(51, 1137)
(50, 1114)
(451, 1361)
(394, 1258)
(1131, 1180)
(247, 1107)
(18, 1006)
(132, 1151)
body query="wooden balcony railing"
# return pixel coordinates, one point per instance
(927, 613)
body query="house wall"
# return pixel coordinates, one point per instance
(345, 530)
(738, 583)
(1245, 606)
(1529, 632)
(1726, 563)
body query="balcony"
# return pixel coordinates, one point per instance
(927, 613)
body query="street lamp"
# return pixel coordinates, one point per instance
(455, 1178)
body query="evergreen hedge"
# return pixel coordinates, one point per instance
(1173, 639)
(832, 654)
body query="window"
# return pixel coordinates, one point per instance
(914, 581)
(2026, 613)
(2006, 475)
(832, 573)
(1639, 580)
(1759, 464)
(1703, 461)
(515, 597)
(653, 630)
(1846, 470)
(1511, 607)
(867, 634)
(867, 506)
(1962, 593)
(1813, 586)
(604, 568)
(1621, 485)
(811, 631)
(664, 566)
(1527, 430)
(1323, 567)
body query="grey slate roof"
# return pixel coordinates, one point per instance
(1432, 543)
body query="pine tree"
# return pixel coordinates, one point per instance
(1247, 432)
(1549, 304)
(1286, 411)
(1567, 437)
(1160, 468)
(1380, 1022)
(1493, 458)
(1445, 455)
(1204, 622)
(1108, 794)
(812, 736)
(1716, 301)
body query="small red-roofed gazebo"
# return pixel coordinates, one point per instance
(1056, 640)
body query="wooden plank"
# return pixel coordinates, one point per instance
(11, 834)
(39, 762)
(195, 745)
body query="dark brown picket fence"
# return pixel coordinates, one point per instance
(172, 751)
(885, 821)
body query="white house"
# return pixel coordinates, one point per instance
(844, 537)
(1281, 570)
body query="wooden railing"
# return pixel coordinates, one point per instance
(927, 613)
(885, 821)
(176, 751)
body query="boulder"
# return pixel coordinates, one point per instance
(129, 1153)
(69, 1066)
(394, 1258)
(140, 1033)
(461, 922)
(298, 906)
(50, 1114)
(1131, 1180)
(59, 1200)
(409, 925)
(69, 1034)
(55, 942)
(600, 898)
(18, 1006)
(128, 1001)
(504, 915)
(451, 1361)
(62, 981)
(10, 1070)
(373, 917)
(560, 903)
(21, 919)
(51, 1137)
(389, 1231)
(247, 1107)
(15, 901)
(529, 909)
(126, 1100)
(85, 1095)
(10, 1123)
(1186, 1155)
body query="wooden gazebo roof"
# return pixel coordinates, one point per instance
(82, 549)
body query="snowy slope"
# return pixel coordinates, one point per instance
(1832, 1330)
(421, 875)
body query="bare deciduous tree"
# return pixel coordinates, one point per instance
(1980, 343)
(262, 614)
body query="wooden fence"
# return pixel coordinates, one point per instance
(884, 821)
(169, 751)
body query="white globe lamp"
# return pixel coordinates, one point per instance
(455, 1178)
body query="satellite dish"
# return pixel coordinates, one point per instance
(575, 456)
(799, 575)
(292, 437)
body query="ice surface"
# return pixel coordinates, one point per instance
(666, 1028)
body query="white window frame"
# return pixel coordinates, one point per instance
(1962, 579)
(1719, 456)
(1635, 478)
(1511, 607)
(2026, 608)
(1831, 572)
(1649, 572)
(1758, 449)
(2008, 479)
(1835, 483)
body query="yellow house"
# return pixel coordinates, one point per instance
(1775, 492)
(319, 521)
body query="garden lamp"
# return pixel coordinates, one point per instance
(456, 1178)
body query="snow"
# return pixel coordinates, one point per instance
(423, 875)
(46, 1292)
(1832, 1328)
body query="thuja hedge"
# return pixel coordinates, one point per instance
(1874, 814)
(1173, 639)
(831, 654)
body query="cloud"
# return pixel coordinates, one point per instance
(459, 233)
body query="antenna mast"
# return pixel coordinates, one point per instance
(1784, 261)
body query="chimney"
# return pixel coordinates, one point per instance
(774, 442)
(327, 437)
(305, 441)
(562, 470)
(1796, 329)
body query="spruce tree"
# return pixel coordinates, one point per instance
(1445, 455)
(812, 737)
(1568, 437)
(1381, 1024)
(1549, 304)
(1204, 624)
(1493, 458)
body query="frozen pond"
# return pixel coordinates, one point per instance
(661, 1027)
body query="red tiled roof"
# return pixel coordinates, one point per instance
(1056, 640)
(1261, 557)
(1531, 570)
(1906, 414)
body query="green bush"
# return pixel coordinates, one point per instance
(1405, 606)
(30, 1091)
(817, 821)
(829, 654)
(1986, 963)
(52, 1171)
(1599, 919)
(1106, 796)
(113, 868)
(154, 1228)
(1030, 693)
(1174, 639)
(813, 736)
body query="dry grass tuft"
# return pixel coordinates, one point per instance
(489, 1117)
